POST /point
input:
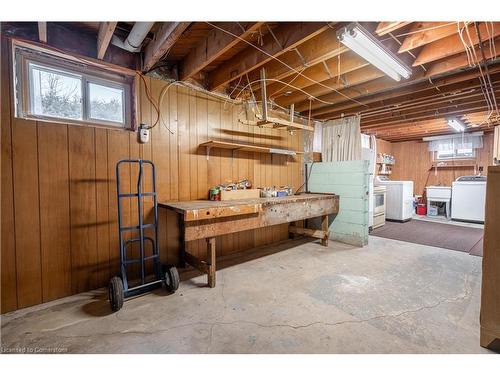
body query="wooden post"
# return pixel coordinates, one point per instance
(211, 261)
(324, 228)
(182, 241)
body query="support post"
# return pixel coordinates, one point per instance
(324, 228)
(263, 93)
(182, 242)
(211, 261)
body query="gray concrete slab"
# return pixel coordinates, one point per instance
(296, 297)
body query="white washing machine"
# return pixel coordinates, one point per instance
(468, 197)
(399, 198)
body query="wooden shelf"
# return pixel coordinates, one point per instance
(250, 148)
(278, 123)
(448, 165)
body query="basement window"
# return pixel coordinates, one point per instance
(461, 153)
(56, 89)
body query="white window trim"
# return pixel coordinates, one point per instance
(23, 55)
(454, 157)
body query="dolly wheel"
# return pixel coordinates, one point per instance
(115, 293)
(172, 279)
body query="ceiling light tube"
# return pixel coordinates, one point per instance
(360, 41)
(458, 125)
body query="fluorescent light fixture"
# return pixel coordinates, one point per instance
(458, 125)
(359, 40)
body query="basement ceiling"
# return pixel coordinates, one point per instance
(307, 66)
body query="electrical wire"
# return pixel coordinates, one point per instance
(285, 64)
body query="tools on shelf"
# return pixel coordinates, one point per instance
(243, 190)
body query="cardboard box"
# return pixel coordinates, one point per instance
(239, 194)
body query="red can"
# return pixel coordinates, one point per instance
(421, 209)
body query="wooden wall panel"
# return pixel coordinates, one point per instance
(82, 187)
(8, 246)
(102, 206)
(59, 204)
(413, 161)
(54, 210)
(26, 212)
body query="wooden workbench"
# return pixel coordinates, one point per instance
(203, 219)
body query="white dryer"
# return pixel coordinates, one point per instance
(399, 198)
(468, 197)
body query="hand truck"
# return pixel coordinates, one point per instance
(119, 287)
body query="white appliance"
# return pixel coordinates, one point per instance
(368, 153)
(438, 194)
(468, 196)
(399, 198)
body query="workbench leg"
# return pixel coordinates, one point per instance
(182, 242)
(324, 228)
(211, 261)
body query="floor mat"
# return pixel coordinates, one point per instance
(453, 237)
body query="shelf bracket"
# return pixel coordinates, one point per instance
(208, 152)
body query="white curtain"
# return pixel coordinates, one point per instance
(341, 139)
(458, 142)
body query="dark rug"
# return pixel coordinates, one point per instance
(453, 237)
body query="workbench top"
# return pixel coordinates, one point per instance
(206, 209)
(181, 206)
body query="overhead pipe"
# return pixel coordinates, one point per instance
(134, 40)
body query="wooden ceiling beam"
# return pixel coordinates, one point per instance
(104, 35)
(452, 45)
(474, 107)
(415, 97)
(435, 100)
(320, 72)
(163, 40)
(430, 32)
(42, 32)
(351, 79)
(411, 113)
(353, 92)
(282, 39)
(214, 45)
(458, 61)
(384, 28)
(312, 52)
(467, 78)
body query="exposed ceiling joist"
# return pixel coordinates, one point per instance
(417, 84)
(106, 30)
(384, 28)
(331, 68)
(452, 45)
(42, 32)
(289, 35)
(214, 45)
(431, 31)
(459, 61)
(413, 95)
(473, 107)
(413, 113)
(352, 92)
(163, 40)
(356, 77)
(313, 51)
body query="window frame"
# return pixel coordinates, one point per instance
(25, 56)
(455, 156)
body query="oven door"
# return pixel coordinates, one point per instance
(378, 203)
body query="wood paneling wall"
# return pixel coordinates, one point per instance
(413, 162)
(59, 209)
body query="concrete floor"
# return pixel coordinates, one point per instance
(298, 297)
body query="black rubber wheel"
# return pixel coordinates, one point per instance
(172, 279)
(115, 293)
